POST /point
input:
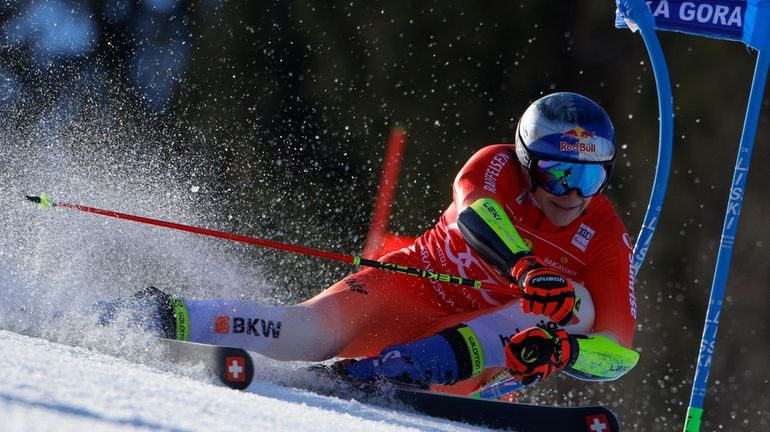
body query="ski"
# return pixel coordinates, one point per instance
(233, 366)
(479, 412)
(235, 369)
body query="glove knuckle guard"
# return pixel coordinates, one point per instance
(535, 353)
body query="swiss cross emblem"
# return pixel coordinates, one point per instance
(236, 369)
(597, 423)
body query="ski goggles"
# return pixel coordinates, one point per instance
(558, 178)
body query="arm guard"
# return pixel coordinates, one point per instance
(601, 359)
(488, 230)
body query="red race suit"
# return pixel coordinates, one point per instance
(381, 308)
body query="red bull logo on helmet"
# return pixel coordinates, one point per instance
(579, 140)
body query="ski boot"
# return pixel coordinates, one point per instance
(432, 360)
(151, 310)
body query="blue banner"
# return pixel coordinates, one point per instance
(738, 20)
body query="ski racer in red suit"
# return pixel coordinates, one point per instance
(530, 215)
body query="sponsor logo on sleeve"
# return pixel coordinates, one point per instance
(582, 237)
(495, 167)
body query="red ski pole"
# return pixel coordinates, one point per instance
(46, 201)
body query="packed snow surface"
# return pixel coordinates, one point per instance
(47, 386)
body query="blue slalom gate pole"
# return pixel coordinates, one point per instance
(748, 23)
(708, 341)
(637, 12)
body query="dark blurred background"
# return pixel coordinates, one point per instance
(276, 114)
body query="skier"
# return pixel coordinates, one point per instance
(530, 215)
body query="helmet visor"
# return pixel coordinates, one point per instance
(558, 178)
